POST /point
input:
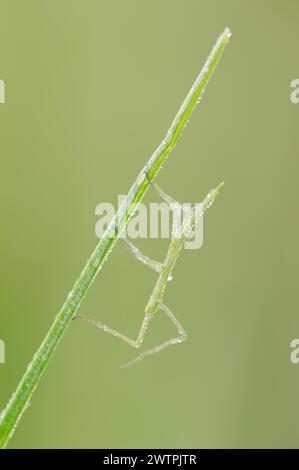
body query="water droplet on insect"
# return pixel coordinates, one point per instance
(170, 277)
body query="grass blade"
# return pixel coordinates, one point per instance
(21, 397)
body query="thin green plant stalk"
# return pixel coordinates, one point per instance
(20, 399)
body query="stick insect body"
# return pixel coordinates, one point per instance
(165, 274)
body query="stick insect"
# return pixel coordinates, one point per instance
(164, 269)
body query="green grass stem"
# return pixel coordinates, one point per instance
(20, 399)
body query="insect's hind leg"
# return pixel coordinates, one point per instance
(178, 339)
(135, 343)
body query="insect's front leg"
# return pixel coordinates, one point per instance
(151, 263)
(168, 199)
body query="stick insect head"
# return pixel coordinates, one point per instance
(211, 196)
(193, 216)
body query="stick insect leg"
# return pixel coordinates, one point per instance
(151, 263)
(135, 343)
(168, 199)
(179, 339)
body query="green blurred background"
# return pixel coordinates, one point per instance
(91, 87)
